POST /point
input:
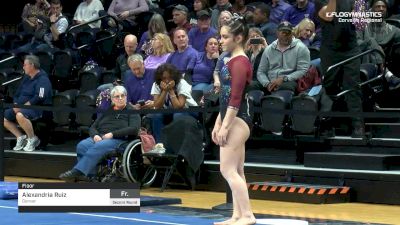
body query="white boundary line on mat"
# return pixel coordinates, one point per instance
(8, 207)
(126, 218)
(110, 217)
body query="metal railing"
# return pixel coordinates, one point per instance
(80, 26)
(358, 86)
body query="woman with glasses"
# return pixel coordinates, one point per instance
(108, 131)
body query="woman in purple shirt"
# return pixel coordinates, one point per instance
(161, 49)
(205, 64)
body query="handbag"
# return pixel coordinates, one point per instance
(310, 79)
(148, 141)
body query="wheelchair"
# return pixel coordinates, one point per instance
(126, 163)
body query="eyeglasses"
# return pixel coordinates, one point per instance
(119, 96)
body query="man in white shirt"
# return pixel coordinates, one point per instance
(88, 10)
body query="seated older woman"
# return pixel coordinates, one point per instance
(106, 133)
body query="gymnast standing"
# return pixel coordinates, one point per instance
(233, 124)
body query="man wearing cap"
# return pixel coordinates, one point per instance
(283, 61)
(198, 35)
(180, 18)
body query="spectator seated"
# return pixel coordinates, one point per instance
(278, 76)
(106, 134)
(127, 12)
(184, 58)
(49, 29)
(35, 89)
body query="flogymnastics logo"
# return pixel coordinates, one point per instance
(357, 17)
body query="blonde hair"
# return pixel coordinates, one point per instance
(302, 25)
(166, 43)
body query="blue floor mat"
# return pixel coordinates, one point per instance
(9, 216)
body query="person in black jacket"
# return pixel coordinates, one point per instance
(35, 89)
(339, 42)
(106, 133)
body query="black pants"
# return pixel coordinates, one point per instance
(343, 78)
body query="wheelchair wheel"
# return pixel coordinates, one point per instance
(134, 169)
(111, 169)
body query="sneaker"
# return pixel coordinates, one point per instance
(31, 144)
(394, 82)
(21, 142)
(158, 149)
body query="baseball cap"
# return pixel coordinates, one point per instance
(203, 13)
(285, 26)
(181, 8)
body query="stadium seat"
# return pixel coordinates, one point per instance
(63, 65)
(86, 100)
(12, 87)
(66, 98)
(10, 41)
(8, 61)
(300, 122)
(84, 38)
(89, 80)
(105, 42)
(255, 96)
(46, 61)
(314, 53)
(279, 100)
(108, 77)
